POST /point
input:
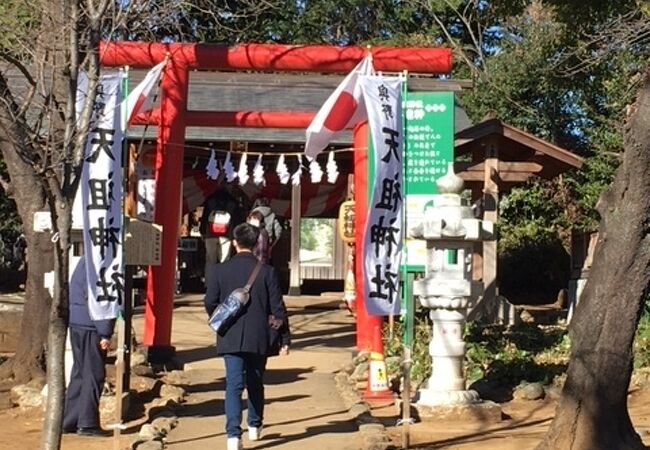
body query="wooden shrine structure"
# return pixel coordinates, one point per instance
(500, 157)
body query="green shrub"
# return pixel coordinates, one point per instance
(393, 346)
(506, 356)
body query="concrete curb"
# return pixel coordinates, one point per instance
(372, 432)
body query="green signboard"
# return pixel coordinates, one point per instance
(429, 125)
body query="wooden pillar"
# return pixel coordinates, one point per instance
(477, 251)
(490, 213)
(294, 264)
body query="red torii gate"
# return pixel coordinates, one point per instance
(173, 117)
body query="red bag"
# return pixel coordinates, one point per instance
(219, 222)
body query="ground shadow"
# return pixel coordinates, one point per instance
(215, 407)
(195, 354)
(336, 427)
(337, 335)
(194, 439)
(480, 435)
(208, 408)
(341, 328)
(212, 386)
(342, 341)
(271, 377)
(281, 376)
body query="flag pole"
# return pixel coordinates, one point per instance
(122, 352)
(407, 332)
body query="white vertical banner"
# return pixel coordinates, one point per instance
(383, 234)
(101, 199)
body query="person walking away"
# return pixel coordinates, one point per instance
(271, 223)
(217, 222)
(245, 344)
(262, 249)
(90, 340)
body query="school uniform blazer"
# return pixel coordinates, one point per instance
(250, 332)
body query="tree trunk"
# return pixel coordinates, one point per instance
(29, 196)
(592, 413)
(58, 328)
(51, 439)
(29, 360)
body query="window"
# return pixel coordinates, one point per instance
(317, 241)
(452, 256)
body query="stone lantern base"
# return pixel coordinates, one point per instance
(433, 398)
(461, 405)
(483, 411)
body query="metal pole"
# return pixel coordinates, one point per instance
(407, 336)
(407, 361)
(119, 382)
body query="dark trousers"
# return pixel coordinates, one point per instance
(86, 381)
(244, 370)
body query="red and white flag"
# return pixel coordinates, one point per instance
(141, 99)
(343, 109)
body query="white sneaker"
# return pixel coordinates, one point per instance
(254, 433)
(234, 443)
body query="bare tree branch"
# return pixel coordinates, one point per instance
(28, 77)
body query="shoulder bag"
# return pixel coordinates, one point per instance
(229, 310)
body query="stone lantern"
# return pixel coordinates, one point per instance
(450, 231)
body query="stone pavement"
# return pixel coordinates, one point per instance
(304, 409)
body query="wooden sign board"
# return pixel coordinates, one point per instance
(142, 245)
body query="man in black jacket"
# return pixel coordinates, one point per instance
(90, 339)
(245, 345)
(222, 207)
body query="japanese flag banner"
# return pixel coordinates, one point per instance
(383, 233)
(343, 109)
(141, 98)
(101, 199)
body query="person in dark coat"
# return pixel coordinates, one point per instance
(218, 246)
(261, 250)
(90, 339)
(245, 345)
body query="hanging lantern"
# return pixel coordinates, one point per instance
(346, 221)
